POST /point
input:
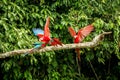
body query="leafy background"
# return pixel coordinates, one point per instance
(18, 17)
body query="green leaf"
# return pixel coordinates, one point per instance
(101, 60)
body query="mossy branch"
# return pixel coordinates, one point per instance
(93, 43)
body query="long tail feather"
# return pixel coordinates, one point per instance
(36, 46)
(77, 50)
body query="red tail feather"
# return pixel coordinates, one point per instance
(77, 50)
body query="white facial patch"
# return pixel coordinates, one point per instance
(75, 36)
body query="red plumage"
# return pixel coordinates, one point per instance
(55, 41)
(82, 33)
(46, 28)
(40, 35)
(45, 38)
(72, 32)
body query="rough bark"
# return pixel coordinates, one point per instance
(93, 43)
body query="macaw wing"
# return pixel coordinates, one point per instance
(37, 43)
(37, 31)
(72, 31)
(37, 46)
(57, 41)
(46, 28)
(85, 31)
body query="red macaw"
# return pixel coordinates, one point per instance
(44, 36)
(82, 33)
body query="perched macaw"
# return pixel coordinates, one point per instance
(44, 36)
(82, 33)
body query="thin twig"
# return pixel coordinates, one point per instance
(78, 65)
(109, 66)
(93, 70)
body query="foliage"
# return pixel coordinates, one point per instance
(18, 17)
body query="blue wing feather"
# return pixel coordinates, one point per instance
(37, 31)
(37, 45)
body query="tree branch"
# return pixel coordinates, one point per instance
(119, 44)
(94, 43)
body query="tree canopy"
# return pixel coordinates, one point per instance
(19, 17)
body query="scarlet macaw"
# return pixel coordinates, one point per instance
(44, 36)
(82, 33)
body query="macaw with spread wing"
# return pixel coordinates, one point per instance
(44, 36)
(78, 37)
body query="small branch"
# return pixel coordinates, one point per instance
(119, 44)
(93, 71)
(94, 43)
(78, 65)
(109, 66)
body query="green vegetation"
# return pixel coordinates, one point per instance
(18, 17)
